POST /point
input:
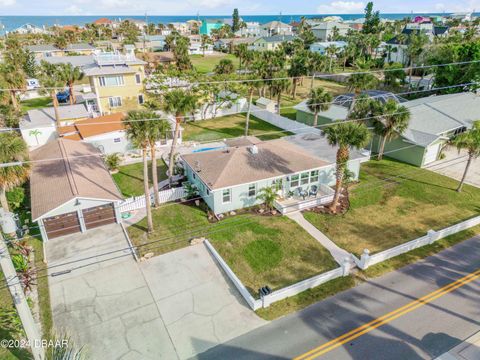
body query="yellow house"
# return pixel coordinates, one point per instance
(270, 42)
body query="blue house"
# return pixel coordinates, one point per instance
(301, 167)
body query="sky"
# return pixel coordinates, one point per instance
(224, 7)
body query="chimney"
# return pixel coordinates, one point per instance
(253, 149)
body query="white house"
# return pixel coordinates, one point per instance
(324, 31)
(321, 47)
(198, 49)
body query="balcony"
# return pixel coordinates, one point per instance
(306, 199)
(106, 59)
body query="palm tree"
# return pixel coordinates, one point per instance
(12, 149)
(298, 68)
(138, 133)
(71, 74)
(389, 49)
(331, 52)
(14, 78)
(316, 62)
(319, 100)
(344, 135)
(157, 130)
(361, 80)
(469, 141)
(268, 195)
(178, 102)
(279, 86)
(51, 79)
(252, 86)
(241, 51)
(205, 42)
(390, 120)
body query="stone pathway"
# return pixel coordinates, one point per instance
(338, 253)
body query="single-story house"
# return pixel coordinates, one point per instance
(43, 51)
(80, 49)
(231, 178)
(39, 125)
(231, 43)
(321, 47)
(198, 49)
(148, 43)
(71, 189)
(271, 42)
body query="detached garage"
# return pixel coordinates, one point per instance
(71, 189)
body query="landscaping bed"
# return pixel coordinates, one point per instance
(261, 250)
(129, 178)
(394, 203)
(228, 127)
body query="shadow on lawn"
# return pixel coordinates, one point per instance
(19, 353)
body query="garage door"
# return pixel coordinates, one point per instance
(431, 154)
(60, 225)
(98, 216)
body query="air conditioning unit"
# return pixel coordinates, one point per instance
(253, 149)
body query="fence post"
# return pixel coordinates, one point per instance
(346, 266)
(364, 259)
(433, 235)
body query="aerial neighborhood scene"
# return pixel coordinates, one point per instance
(239, 180)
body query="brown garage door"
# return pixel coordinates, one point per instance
(98, 216)
(60, 225)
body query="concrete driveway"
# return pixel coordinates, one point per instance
(453, 167)
(169, 307)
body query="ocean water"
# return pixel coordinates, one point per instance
(12, 22)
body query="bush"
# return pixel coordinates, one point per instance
(113, 161)
(15, 197)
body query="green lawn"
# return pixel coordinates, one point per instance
(129, 178)
(395, 203)
(37, 103)
(206, 64)
(272, 251)
(229, 127)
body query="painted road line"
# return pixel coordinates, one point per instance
(388, 317)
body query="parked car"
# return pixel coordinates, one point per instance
(63, 96)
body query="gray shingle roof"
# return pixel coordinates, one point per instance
(279, 38)
(42, 48)
(79, 46)
(46, 116)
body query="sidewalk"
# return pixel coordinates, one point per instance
(338, 253)
(467, 350)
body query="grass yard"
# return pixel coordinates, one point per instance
(228, 127)
(206, 64)
(129, 178)
(37, 103)
(261, 251)
(395, 203)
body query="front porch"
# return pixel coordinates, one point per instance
(303, 199)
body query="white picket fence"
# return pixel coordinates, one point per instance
(280, 294)
(138, 202)
(283, 122)
(367, 260)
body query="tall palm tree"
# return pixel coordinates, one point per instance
(331, 51)
(14, 78)
(71, 74)
(469, 141)
(316, 62)
(390, 120)
(52, 80)
(319, 100)
(138, 133)
(251, 85)
(279, 86)
(361, 80)
(298, 68)
(178, 102)
(157, 130)
(12, 149)
(344, 135)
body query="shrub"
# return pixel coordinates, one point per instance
(15, 197)
(113, 161)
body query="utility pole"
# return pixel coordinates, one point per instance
(13, 282)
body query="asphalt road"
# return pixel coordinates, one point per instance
(425, 332)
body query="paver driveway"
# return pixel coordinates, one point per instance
(171, 306)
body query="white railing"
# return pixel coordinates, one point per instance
(283, 293)
(367, 260)
(283, 122)
(138, 202)
(113, 58)
(285, 208)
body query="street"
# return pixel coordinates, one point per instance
(447, 314)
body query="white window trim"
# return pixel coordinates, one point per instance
(138, 99)
(122, 81)
(308, 178)
(255, 190)
(291, 180)
(138, 76)
(229, 196)
(115, 97)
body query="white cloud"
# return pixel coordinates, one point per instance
(74, 10)
(7, 2)
(210, 4)
(342, 7)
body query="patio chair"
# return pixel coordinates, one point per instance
(314, 191)
(302, 193)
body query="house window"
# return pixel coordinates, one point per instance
(252, 190)
(117, 140)
(138, 79)
(314, 176)
(208, 192)
(116, 80)
(194, 176)
(304, 178)
(294, 180)
(115, 101)
(226, 196)
(140, 99)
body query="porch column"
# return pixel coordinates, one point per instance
(43, 232)
(118, 214)
(83, 228)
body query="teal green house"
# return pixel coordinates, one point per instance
(232, 178)
(434, 121)
(209, 24)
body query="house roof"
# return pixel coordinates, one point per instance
(275, 24)
(277, 38)
(95, 70)
(42, 48)
(46, 116)
(335, 112)
(103, 21)
(328, 25)
(79, 46)
(94, 126)
(65, 170)
(238, 165)
(76, 60)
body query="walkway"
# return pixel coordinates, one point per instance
(338, 253)
(467, 350)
